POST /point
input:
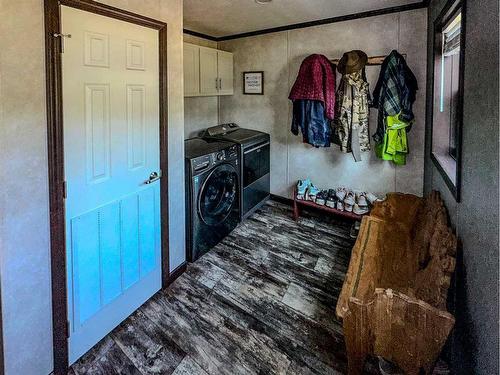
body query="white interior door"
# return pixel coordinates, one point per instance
(111, 147)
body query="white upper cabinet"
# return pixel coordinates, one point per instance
(209, 83)
(225, 70)
(207, 71)
(191, 70)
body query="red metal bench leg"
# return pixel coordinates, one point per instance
(296, 213)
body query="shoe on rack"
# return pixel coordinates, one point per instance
(348, 207)
(372, 198)
(350, 198)
(331, 200)
(361, 199)
(322, 197)
(311, 193)
(340, 205)
(302, 186)
(341, 193)
(360, 210)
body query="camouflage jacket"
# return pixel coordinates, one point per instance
(351, 121)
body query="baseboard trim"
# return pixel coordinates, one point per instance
(256, 207)
(176, 273)
(283, 200)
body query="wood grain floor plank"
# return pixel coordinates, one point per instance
(301, 338)
(205, 272)
(188, 366)
(150, 350)
(102, 348)
(114, 362)
(200, 338)
(246, 334)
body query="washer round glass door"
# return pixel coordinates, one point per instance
(218, 195)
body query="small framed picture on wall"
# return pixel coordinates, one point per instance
(253, 83)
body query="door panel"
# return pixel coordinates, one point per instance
(86, 273)
(208, 71)
(136, 124)
(110, 254)
(97, 124)
(111, 143)
(148, 241)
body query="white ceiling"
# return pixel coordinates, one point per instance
(228, 17)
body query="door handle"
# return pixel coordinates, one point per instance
(155, 176)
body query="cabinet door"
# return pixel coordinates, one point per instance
(208, 71)
(191, 70)
(225, 69)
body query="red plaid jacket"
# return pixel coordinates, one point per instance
(316, 81)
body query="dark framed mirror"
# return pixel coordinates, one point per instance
(448, 93)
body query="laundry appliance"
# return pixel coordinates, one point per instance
(254, 152)
(212, 193)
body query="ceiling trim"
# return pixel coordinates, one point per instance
(325, 21)
(201, 35)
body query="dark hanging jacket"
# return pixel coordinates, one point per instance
(309, 117)
(394, 93)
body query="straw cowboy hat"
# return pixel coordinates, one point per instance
(352, 61)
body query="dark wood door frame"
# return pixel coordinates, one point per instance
(56, 157)
(1, 334)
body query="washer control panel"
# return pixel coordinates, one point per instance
(202, 163)
(228, 154)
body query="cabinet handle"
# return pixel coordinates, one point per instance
(217, 84)
(220, 83)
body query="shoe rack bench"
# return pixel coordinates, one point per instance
(297, 203)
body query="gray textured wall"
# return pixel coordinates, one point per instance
(200, 113)
(24, 221)
(475, 340)
(279, 55)
(203, 111)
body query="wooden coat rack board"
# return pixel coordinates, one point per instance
(372, 60)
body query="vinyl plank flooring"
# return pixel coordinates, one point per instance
(304, 340)
(149, 349)
(189, 367)
(194, 335)
(251, 344)
(308, 304)
(93, 355)
(260, 302)
(113, 362)
(205, 272)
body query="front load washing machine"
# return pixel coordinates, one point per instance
(212, 193)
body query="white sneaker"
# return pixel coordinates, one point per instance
(348, 207)
(372, 198)
(341, 193)
(340, 206)
(359, 210)
(350, 198)
(361, 199)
